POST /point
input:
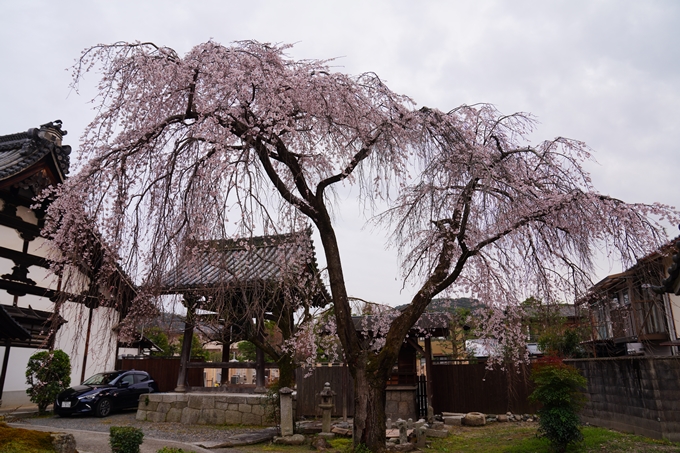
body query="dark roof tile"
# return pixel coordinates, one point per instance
(244, 262)
(21, 150)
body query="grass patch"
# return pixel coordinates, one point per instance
(18, 440)
(521, 438)
(508, 438)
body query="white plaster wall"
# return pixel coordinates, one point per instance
(35, 302)
(74, 281)
(9, 238)
(6, 266)
(72, 336)
(127, 351)
(26, 215)
(43, 277)
(41, 247)
(16, 367)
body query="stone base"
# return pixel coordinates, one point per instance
(400, 402)
(203, 408)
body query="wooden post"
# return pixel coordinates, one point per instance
(259, 370)
(8, 343)
(226, 345)
(186, 349)
(345, 384)
(87, 343)
(428, 372)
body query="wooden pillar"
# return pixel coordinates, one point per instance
(345, 385)
(186, 349)
(87, 343)
(259, 369)
(226, 345)
(8, 342)
(428, 372)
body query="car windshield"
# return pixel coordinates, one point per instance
(102, 378)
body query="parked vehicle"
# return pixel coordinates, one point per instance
(105, 392)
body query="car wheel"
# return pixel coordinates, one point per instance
(103, 407)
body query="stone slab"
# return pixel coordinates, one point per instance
(255, 437)
(436, 433)
(453, 420)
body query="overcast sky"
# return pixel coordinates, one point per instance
(605, 72)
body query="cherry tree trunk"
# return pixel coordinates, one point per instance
(286, 371)
(369, 409)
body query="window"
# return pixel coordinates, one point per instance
(139, 377)
(128, 378)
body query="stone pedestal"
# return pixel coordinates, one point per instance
(286, 396)
(326, 417)
(326, 408)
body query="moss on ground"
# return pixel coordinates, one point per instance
(19, 440)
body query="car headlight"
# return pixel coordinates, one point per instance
(85, 399)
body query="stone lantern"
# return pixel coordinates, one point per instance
(326, 407)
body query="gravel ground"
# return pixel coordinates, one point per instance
(167, 431)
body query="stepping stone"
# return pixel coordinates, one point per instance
(238, 440)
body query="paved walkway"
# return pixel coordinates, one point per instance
(96, 442)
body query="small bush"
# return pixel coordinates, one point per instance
(125, 439)
(361, 448)
(47, 374)
(272, 404)
(558, 388)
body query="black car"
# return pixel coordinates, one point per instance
(105, 392)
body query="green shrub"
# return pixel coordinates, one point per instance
(558, 388)
(47, 374)
(361, 448)
(125, 439)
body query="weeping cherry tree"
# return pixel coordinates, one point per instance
(227, 140)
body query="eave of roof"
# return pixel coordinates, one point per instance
(39, 325)
(21, 151)
(244, 264)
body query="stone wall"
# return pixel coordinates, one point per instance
(400, 402)
(633, 394)
(203, 408)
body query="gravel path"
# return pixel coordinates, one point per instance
(167, 431)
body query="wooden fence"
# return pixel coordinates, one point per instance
(473, 388)
(163, 370)
(308, 389)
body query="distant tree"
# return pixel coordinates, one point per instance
(229, 140)
(548, 326)
(47, 374)
(563, 342)
(160, 339)
(461, 329)
(197, 351)
(246, 351)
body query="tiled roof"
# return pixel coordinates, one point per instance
(244, 262)
(20, 151)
